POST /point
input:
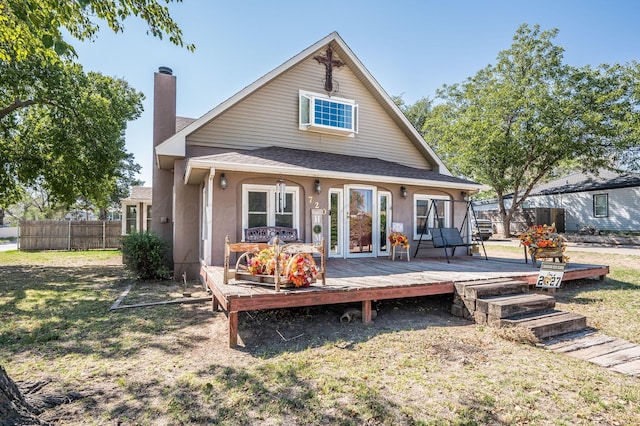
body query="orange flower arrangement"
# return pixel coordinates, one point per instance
(539, 237)
(263, 263)
(398, 239)
(300, 269)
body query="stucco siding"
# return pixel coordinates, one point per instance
(246, 126)
(227, 219)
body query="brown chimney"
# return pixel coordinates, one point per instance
(164, 126)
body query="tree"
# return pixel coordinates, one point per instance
(416, 113)
(63, 130)
(33, 26)
(513, 123)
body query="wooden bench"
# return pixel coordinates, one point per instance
(447, 238)
(279, 277)
(265, 234)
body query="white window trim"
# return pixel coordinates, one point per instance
(606, 205)
(271, 210)
(124, 219)
(447, 213)
(309, 125)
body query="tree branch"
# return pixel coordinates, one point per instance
(17, 103)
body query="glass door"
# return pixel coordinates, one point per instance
(384, 219)
(336, 222)
(360, 223)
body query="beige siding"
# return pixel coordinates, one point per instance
(269, 117)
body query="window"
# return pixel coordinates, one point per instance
(328, 114)
(148, 228)
(131, 219)
(259, 207)
(429, 210)
(600, 205)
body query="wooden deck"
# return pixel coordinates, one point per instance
(366, 280)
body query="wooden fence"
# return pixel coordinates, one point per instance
(69, 234)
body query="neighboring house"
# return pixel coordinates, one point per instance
(316, 141)
(136, 210)
(608, 201)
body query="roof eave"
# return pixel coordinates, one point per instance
(197, 170)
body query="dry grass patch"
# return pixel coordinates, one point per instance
(415, 365)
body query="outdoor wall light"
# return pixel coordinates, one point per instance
(223, 181)
(403, 191)
(317, 186)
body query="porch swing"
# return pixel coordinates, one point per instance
(445, 238)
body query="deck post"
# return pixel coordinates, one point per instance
(233, 329)
(366, 311)
(214, 303)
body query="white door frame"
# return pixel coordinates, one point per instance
(339, 214)
(388, 214)
(375, 222)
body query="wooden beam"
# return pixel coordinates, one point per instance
(329, 297)
(233, 329)
(366, 311)
(214, 303)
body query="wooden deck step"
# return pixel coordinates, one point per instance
(487, 288)
(548, 323)
(500, 307)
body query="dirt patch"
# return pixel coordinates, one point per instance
(415, 364)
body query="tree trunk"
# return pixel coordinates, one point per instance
(506, 226)
(14, 409)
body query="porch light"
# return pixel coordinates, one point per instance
(317, 186)
(223, 181)
(281, 196)
(403, 191)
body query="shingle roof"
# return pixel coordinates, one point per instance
(182, 122)
(579, 182)
(140, 193)
(328, 162)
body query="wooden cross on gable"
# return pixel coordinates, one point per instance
(329, 63)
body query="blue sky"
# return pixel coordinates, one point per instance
(411, 48)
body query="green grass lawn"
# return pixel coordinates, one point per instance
(415, 365)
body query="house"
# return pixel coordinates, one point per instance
(136, 210)
(606, 200)
(316, 145)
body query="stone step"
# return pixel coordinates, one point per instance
(486, 288)
(509, 305)
(548, 324)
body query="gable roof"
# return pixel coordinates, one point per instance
(580, 182)
(139, 194)
(182, 122)
(277, 160)
(175, 146)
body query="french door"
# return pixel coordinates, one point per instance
(361, 238)
(359, 220)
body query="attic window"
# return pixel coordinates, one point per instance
(321, 113)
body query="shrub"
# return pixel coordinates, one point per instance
(143, 256)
